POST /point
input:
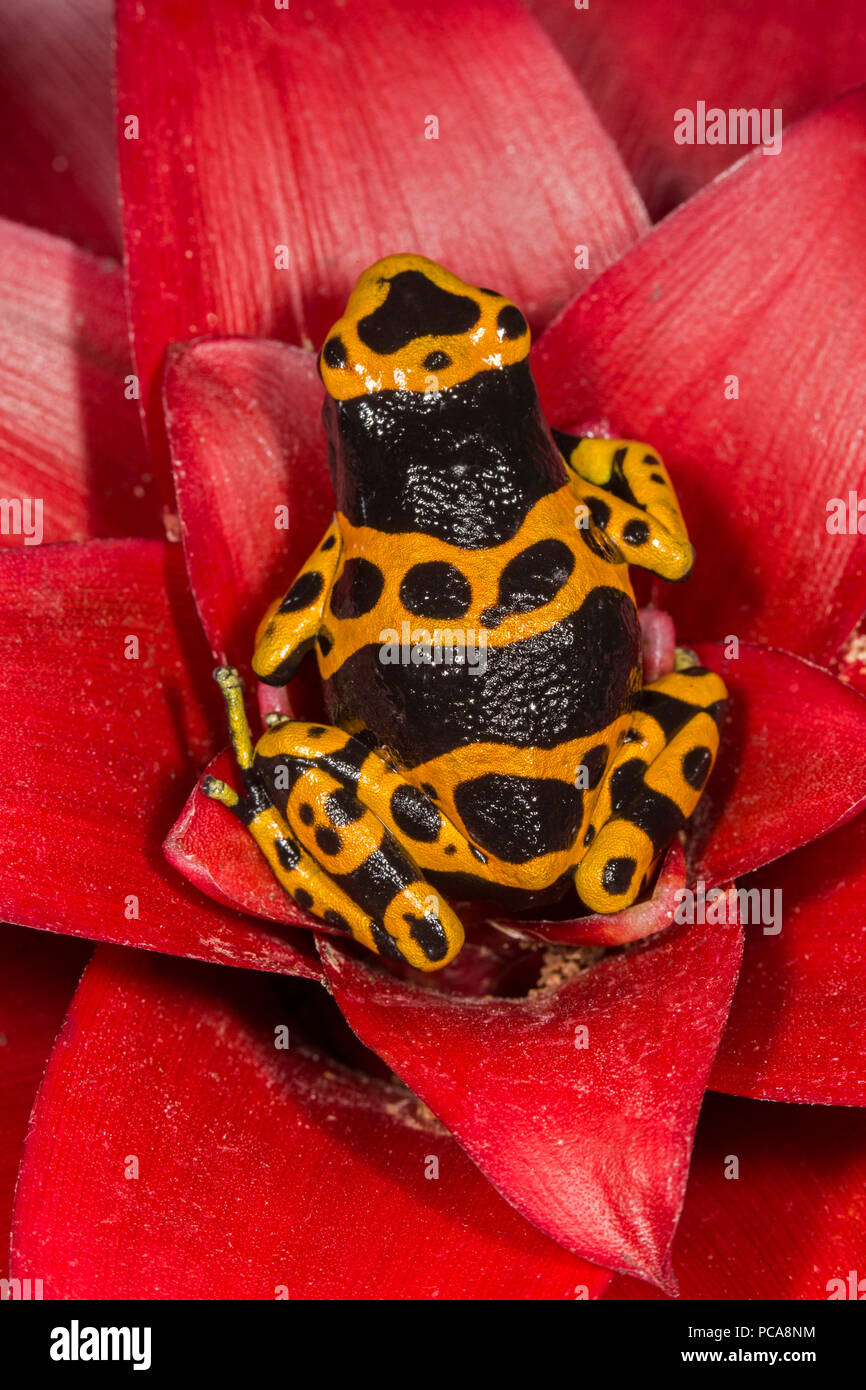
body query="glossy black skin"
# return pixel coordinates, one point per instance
(465, 464)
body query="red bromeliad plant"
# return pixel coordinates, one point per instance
(210, 1126)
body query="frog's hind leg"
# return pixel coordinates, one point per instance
(295, 869)
(652, 785)
(408, 919)
(326, 846)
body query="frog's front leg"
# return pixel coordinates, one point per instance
(311, 802)
(291, 625)
(651, 785)
(627, 491)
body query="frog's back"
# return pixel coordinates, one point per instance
(474, 628)
(527, 644)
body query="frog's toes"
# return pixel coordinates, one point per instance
(232, 688)
(685, 658)
(220, 791)
(274, 718)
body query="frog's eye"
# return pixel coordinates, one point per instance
(510, 323)
(334, 353)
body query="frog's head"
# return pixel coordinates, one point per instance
(411, 325)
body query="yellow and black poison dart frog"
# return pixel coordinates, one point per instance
(477, 637)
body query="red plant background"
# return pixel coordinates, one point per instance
(188, 193)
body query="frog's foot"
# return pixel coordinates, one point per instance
(297, 871)
(627, 491)
(652, 785)
(305, 808)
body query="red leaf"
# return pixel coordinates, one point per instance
(68, 436)
(306, 131)
(262, 1173)
(638, 74)
(38, 975)
(244, 426)
(793, 1221)
(849, 663)
(100, 749)
(588, 1137)
(762, 801)
(761, 278)
(58, 165)
(799, 1014)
